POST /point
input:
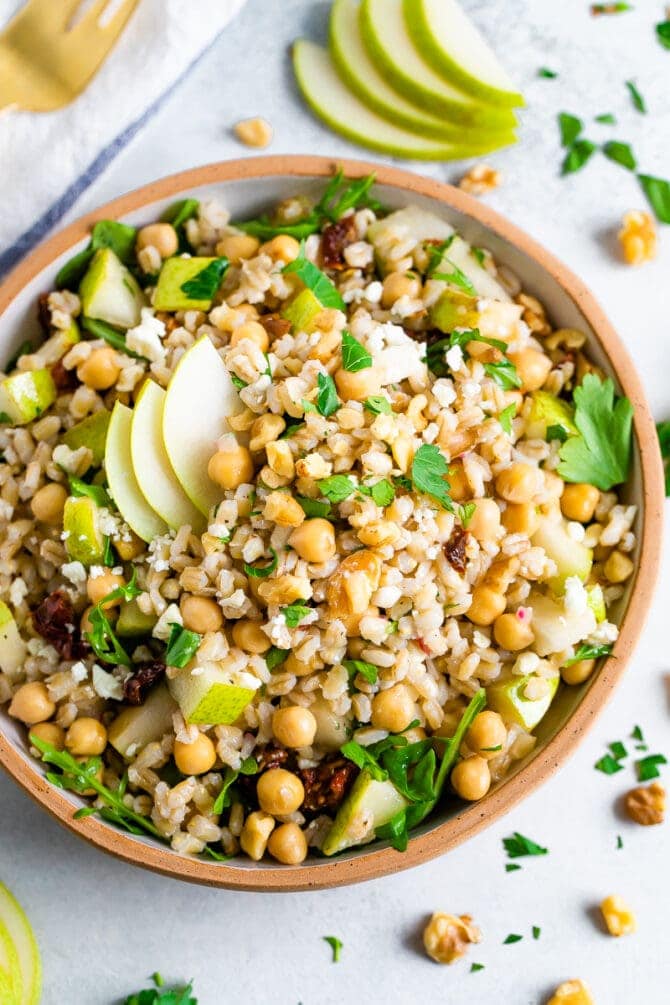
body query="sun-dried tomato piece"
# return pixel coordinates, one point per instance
(56, 622)
(275, 326)
(455, 549)
(327, 784)
(135, 687)
(270, 757)
(335, 238)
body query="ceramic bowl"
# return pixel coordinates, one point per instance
(248, 187)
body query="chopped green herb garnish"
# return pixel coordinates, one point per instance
(335, 944)
(570, 127)
(315, 280)
(378, 405)
(224, 798)
(663, 33)
(326, 401)
(504, 373)
(274, 657)
(586, 651)
(600, 454)
(179, 212)
(476, 967)
(314, 507)
(512, 867)
(113, 336)
(367, 670)
(382, 493)
(610, 8)
(620, 153)
(647, 767)
(637, 734)
(537, 931)
(102, 637)
(119, 237)
(547, 73)
(429, 471)
(455, 278)
(608, 765)
(263, 571)
(337, 488)
(340, 197)
(636, 97)
(505, 418)
(167, 996)
(619, 842)
(466, 511)
(618, 750)
(182, 646)
(97, 493)
(238, 382)
(108, 557)
(205, 283)
(663, 430)
(512, 939)
(295, 613)
(355, 357)
(606, 119)
(557, 433)
(519, 846)
(657, 191)
(577, 156)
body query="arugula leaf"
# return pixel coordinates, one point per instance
(647, 767)
(97, 493)
(663, 33)
(335, 944)
(367, 670)
(105, 234)
(205, 283)
(577, 156)
(606, 119)
(608, 765)
(264, 229)
(620, 153)
(378, 405)
(314, 507)
(102, 638)
(663, 430)
(263, 571)
(182, 646)
(657, 191)
(274, 657)
(327, 401)
(337, 488)
(618, 750)
(294, 613)
(179, 212)
(436, 252)
(547, 73)
(600, 454)
(339, 197)
(570, 127)
(108, 558)
(519, 846)
(363, 759)
(113, 336)
(505, 418)
(355, 357)
(504, 373)
(588, 652)
(636, 97)
(455, 278)
(429, 471)
(69, 275)
(511, 939)
(315, 280)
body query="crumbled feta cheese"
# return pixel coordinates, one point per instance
(373, 292)
(95, 571)
(359, 254)
(395, 355)
(17, 591)
(107, 685)
(576, 599)
(79, 672)
(170, 616)
(145, 338)
(444, 391)
(74, 572)
(454, 357)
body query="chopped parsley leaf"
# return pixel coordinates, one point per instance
(608, 765)
(455, 278)
(636, 97)
(378, 405)
(327, 401)
(511, 939)
(314, 507)
(182, 646)
(263, 571)
(618, 750)
(355, 357)
(620, 153)
(637, 734)
(382, 492)
(657, 191)
(606, 119)
(504, 373)
(238, 382)
(586, 651)
(647, 767)
(102, 637)
(619, 842)
(577, 156)
(537, 931)
(367, 670)
(548, 74)
(335, 944)
(663, 33)
(295, 613)
(506, 416)
(570, 127)
(519, 846)
(600, 454)
(274, 657)
(315, 280)
(336, 488)
(556, 433)
(512, 867)
(205, 283)
(429, 471)
(476, 967)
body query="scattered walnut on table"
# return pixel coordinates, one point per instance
(480, 179)
(254, 132)
(571, 993)
(617, 916)
(638, 237)
(646, 804)
(446, 937)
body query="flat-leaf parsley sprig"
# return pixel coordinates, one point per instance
(600, 454)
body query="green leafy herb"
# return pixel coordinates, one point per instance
(308, 407)
(295, 613)
(610, 8)
(504, 373)
(537, 931)
(205, 283)
(264, 229)
(663, 33)
(262, 571)
(586, 651)
(314, 507)
(519, 846)
(274, 657)
(620, 153)
(315, 280)
(606, 119)
(636, 97)
(102, 637)
(355, 357)
(379, 405)
(557, 433)
(479, 254)
(382, 493)
(505, 418)
(436, 352)
(577, 156)
(657, 191)
(164, 996)
(340, 197)
(224, 798)
(663, 430)
(366, 670)
(465, 335)
(547, 73)
(113, 336)
(476, 967)
(600, 454)
(363, 759)
(619, 842)
(337, 488)
(608, 765)
(647, 767)
(570, 127)
(637, 734)
(429, 471)
(466, 511)
(97, 493)
(108, 558)
(326, 400)
(511, 939)
(182, 646)
(455, 278)
(179, 212)
(335, 944)
(238, 382)
(618, 750)
(512, 867)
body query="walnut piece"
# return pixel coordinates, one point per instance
(618, 917)
(254, 132)
(646, 804)
(534, 314)
(571, 993)
(446, 937)
(480, 179)
(638, 237)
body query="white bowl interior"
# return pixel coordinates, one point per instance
(246, 199)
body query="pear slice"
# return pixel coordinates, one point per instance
(109, 291)
(169, 295)
(572, 558)
(199, 399)
(11, 979)
(210, 695)
(84, 541)
(327, 95)
(369, 805)
(386, 38)
(138, 725)
(507, 698)
(133, 622)
(12, 646)
(16, 926)
(91, 432)
(449, 42)
(555, 628)
(359, 73)
(25, 396)
(123, 486)
(153, 471)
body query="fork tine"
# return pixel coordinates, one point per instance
(92, 15)
(116, 23)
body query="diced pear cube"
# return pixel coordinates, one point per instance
(507, 697)
(209, 696)
(84, 541)
(91, 432)
(303, 311)
(12, 646)
(169, 295)
(109, 291)
(138, 725)
(25, 396)
(369, 805)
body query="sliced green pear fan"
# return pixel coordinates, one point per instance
(16, 927)
(123, 486)
(447, 39)
(330, 99)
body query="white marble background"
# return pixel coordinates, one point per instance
(103, 926)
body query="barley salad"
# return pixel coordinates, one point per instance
(304, 520)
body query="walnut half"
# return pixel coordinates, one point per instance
(571, 993)
(646, 804)
(446, 937)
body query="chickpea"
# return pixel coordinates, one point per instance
(357, 386)
(250, 637)
(49, 732)
(48, 503)
(294, 726)
(618, 567)
(279, 792)
(487, 734)
(31, 703)
(127, 550)
(231, 468)
(254, 331)
(288, 844)
(201, 614)
(579, 502)
(98, 587)
(393, 709)
(533, 368)
(161, 236)
(400, 284)
(485, 521)
(487, 605)
(314, 540)
(299, 668)
(237, 247)
(518, 483)
(100, 370)
(195, 758)
(521, 518)
(471, 778)
(86, 737)
(578, 672)
(282, 247)
(512, 632)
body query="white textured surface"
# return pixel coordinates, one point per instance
(103, 926)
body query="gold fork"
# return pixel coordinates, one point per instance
(46, 60)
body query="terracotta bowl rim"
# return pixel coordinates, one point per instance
(377, 861)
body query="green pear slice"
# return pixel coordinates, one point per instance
(555, 628)
(369, 805)
(133, 622)
(209, 696)
(572, 558)
(151, 464)
(507, 698)
(199, 399)
(109, 291)
(25, 396)
(548, 410)
(7, 993)
(12, 646)
(328, 96)
(303, 311)
(359, 73)
(169, 295)
(123, 486)
(11, 979)
(138, 725)
(84, 541)
(386, 38)
(15, 924)
(450, 43)
(91, 432)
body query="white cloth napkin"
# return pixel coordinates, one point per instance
(48, 159)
